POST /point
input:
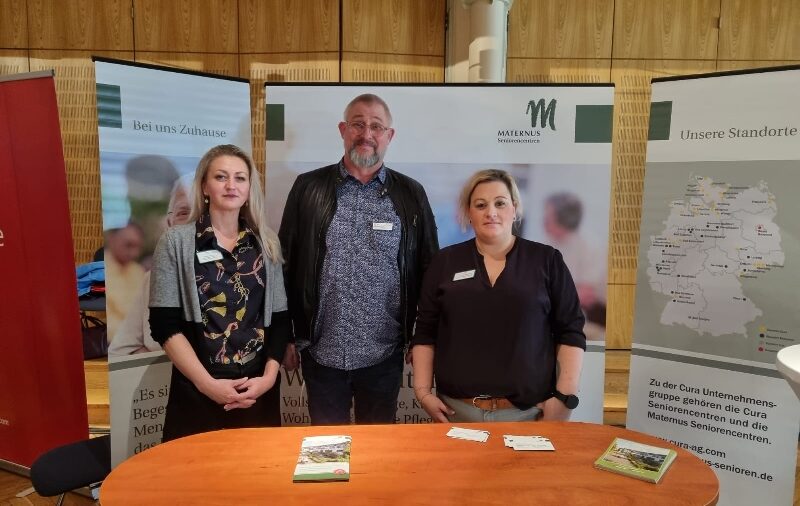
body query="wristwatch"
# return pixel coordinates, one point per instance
(570, 401)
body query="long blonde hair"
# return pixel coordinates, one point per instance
(252, 212)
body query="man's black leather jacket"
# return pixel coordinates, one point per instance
(309, 210)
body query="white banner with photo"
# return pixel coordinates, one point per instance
(555, 140)
(716, 295)
(154, 125)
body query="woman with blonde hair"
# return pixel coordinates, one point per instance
(218, 305)
(499, 323)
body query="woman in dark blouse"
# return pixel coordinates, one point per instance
(499, 322)
(218, 305)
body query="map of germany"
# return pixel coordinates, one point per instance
(715, 236)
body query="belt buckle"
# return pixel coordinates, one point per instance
(483, 398)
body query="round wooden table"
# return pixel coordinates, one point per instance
(403, 464)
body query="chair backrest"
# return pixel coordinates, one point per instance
(72, 466)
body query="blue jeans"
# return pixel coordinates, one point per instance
(467, 413)
(331, 391)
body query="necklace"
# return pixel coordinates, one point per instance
(220, 233)
(226, 241)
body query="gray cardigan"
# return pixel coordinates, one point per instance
(172, 282)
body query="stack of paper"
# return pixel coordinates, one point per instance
(637, 460)
(528, 442)
(480, 436)
(323, 458)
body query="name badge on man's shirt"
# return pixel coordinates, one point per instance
(378, 225)
(208, 256)
(464, 275)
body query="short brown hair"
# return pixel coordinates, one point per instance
(369, 99)
(567, 209)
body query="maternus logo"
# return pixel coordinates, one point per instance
(541, 112)
(546, 114)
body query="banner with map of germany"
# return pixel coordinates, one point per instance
(719, 269)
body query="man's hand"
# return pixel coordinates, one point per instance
(291, 358)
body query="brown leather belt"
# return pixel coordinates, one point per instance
(488, 403)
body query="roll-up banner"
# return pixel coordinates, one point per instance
(555, 140)
(719, 270)
(43, 396)
(154, 125)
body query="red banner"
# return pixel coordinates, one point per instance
(42, 388)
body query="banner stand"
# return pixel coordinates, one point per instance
(554, 139)
(716, 294)
(43, 399)
(154, 124)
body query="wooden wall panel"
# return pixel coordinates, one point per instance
(288, 26)
(259, 68)
(77, 111)
(396, 41)
(560, 29)
(213, 63)
(666, 29)
(529, 70)
(13, 24)
(13, 61)
(631, 119)
(377, 68)
(619, 316)
(80, 24)
(312, 67)
(411, 27)
(759, 30)
(202, 26)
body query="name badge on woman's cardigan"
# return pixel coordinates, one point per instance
(208, 256)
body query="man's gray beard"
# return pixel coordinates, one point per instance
(364, 162)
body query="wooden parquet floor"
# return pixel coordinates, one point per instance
(12, 484)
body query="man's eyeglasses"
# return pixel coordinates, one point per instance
(359, 127)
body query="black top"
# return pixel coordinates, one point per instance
(499, 341)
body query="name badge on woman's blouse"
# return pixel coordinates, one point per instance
(378, 225)
(208, 256)
(464, 275)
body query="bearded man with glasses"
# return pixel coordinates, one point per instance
(357, 237)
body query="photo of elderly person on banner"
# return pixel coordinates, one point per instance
(133, 335)
(218, 304)
(499, 323)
